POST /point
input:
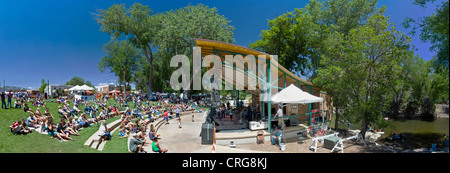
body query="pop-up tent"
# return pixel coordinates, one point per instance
(293, 94)
(86, 88)
(75, 88)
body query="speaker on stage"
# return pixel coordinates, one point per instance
(207, 133)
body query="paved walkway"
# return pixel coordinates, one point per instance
(187, 139)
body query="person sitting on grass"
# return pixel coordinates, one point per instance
(82, 121)
(151, 117)
(18, 128)
(32, 122)
(38, 112)
(93, 118)
(14, 127)
(73, 123)
(17, 104)
(123, 133)
(24, 125)
(137, 114)
(51, 131)
(69, 127)
(60, 129)
(136, 145)
(102, 115)
(75, 108)
(47, 113)
(25, 107)
(62, 113)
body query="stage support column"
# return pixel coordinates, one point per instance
(269, 96)
(310, 114)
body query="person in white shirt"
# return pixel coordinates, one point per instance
(105, 134)
(279, 114)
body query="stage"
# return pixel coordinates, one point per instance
(245, 136)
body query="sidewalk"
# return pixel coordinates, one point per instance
(187, 139)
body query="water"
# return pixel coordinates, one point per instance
(419, 132)
(436, 125)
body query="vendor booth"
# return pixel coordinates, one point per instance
(81, 92)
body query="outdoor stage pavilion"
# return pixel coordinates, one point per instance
(259, 83)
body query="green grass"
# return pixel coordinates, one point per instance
(40, 143)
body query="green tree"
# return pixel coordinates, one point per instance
(362, 66)
(297, 37)
(138, 25)
(180, 27)
(43, 85)
(122, 59)
(435, 30)
(79, 81)
(75, 81)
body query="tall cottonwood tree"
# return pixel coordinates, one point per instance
(137, 25)
(122, 59)
(298, 37)
(362, 66)
(170, 33)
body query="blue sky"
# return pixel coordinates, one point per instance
(57, 40)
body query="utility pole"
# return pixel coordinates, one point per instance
(49, 91)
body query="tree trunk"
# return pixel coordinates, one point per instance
(124, 85)
(364, 128)
(148, 53)
(336, 120)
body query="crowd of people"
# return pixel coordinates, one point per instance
(162, 109)
(134, 120)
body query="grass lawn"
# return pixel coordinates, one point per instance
(40, 143)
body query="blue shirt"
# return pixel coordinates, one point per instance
(278, 133)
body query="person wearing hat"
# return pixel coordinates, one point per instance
(136, 144)
(277, 136)
(105, 132)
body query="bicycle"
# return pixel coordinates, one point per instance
(323, 130)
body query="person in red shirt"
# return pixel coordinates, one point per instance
(166, 116)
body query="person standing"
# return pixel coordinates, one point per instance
(177, 113)
(166, 116)
(249, 113)
(3, 100)
(280, 116)
(9, 96)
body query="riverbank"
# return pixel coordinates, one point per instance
(441, 111)
(293, 145)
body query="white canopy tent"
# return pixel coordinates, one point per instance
(86, 88)
(81, 88)
(75, 88)
(293, 94)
